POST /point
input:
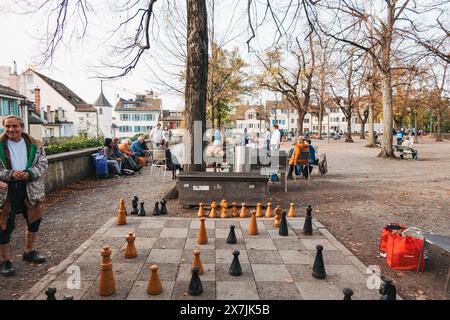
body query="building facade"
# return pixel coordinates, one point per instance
(135, 116)
(104, 113)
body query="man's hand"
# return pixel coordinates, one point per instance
(25, 176)
(3, 185)
(17, 175)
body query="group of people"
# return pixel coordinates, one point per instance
(127, 157)
(298, 165)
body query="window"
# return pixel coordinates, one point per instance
(292, 120)
(124, 117)
(343, 119)
(282, 122)
(100, 111)
(128, 105)
(30, 79)
(250, 116)
(305, 120)
(124, 129)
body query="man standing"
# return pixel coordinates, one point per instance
(22, 165)
(156, 135)
(275, 139)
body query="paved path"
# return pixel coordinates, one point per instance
(274, 267)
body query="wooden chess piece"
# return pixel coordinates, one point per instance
(201, 210)
(234, 211)
(130, 251)
(235, 268)
(142, 212)
(283, 230)
(195, 285)
(277, 219)
(163, 210)
(231, 239)
(202, 237)
(269, 210)
(319, 266)
(292, 213)
(107, 284)
(224, 209)
(121, 217)
(156, 210)
(243, 211)
(259, 213)
(135, 204)
(307, 226)
(253, 226)
(387, 290)
(213, 212)
(348, 292)
(154, 286)
(197, 263)
(51, 293)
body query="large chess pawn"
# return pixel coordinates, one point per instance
(234, 211)
(307, 227)
(269, 210)
(156, 210)
(135, 204)
(253, 226)
(197, 263)
(319, 265)
(235, 268)
(201, 210)
(130, 251)
(154, 286)
(195, 285)
(277, 219)
(142, 210)
(259, 213)
(224, 209)
(121, 217)
(51, 293)
(163, 210)
(387, 290)
(213, 212)
(243, 211)
(202, 237)
(107, 284)
(292, 213)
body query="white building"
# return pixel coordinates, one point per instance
(104, 112)
(137, 116)
(64, 112)
(250, 118)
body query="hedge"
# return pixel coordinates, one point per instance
(73, 145)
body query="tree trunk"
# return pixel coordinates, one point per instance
(320, 119)
(362, 135)
(386, 145)
(371, 142)
(196, 83)
(416, 140)
(301, 115)
(439, 126)
(349, 128)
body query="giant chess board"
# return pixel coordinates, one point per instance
(273, 266)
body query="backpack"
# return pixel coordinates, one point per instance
(101, 164)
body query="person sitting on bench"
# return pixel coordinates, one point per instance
(408, 143)
(299, 146)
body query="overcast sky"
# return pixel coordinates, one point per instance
(75, 64)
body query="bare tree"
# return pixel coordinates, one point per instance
(294, 83)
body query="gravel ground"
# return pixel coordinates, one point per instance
(71, 216)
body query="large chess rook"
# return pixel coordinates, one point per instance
(130, 251)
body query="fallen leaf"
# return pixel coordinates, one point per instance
(287, 280)
(163, 247)
(420, 292)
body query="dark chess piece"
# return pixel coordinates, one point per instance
(387, 290)
(307, 227)
(319, 266)
(195, 286)
(67, 297)
(283, 231)
(51, 293)
(347, 293)
(156, 210)
(235, 268)
(142, 210)
(163, 206)
(231, 236)
(135, 204)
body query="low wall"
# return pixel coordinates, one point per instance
(68, 167)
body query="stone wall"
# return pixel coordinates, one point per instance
(68, 167)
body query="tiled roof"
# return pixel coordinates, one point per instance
(102, 101)
(147, 104)
(79, 104)
(10, 92)
(241, 109)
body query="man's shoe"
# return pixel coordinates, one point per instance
(33, 257)
(7, 269)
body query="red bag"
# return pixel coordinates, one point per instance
(403, 253)
(387, 230)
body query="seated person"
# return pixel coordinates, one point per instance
(124, 147)
(127, 161)
(113, 161)
(140, 149)
(299, 146)
(172, 162)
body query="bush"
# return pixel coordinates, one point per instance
(73, 144)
